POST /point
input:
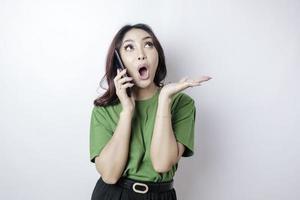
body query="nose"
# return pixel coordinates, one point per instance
(142, 55)
(142, 58)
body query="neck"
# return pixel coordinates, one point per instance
(145, 93)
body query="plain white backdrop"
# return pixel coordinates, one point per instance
(247, 143)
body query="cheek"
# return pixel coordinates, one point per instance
(128, 61)
(155, 60)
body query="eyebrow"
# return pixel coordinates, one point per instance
(129, 40)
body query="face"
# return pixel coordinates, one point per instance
(139, 56)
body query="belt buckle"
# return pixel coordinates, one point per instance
(140, 191)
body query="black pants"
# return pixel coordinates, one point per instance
(104, 191)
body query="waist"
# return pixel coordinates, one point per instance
(145, 186)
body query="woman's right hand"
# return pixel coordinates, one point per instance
(121, 83)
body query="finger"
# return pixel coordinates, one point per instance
(205, 78)
(181, 86)
(125, 79)
(185, 83)
(121, 73)
(124, 86)
(199, 80)
(188, 83)
(118, 86)
(194, 84)
(183, 79)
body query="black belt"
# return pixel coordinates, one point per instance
(145, 186)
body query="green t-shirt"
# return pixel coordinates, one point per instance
(139, 166)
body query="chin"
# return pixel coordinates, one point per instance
(144, 84)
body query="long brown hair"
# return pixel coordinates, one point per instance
(110, 97)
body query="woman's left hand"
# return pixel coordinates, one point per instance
(172, 88)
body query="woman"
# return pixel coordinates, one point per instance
(137, 137)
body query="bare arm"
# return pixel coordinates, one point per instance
(113, 157)
(165, 150)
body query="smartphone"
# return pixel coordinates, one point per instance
(119, 65)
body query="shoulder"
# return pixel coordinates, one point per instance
(182, 98)
(98, 110)
(106, 113)
(106, 109)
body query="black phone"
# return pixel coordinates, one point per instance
(119, 65)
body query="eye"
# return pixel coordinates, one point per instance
(128, 47)
(150, 44)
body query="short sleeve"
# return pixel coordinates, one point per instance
(183, 122)
(100, 133)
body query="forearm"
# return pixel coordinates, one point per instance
(164, 150)
(113, 157)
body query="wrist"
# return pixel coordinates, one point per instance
(164, 99)
(164, 108)
(163, 116)
(126, 113)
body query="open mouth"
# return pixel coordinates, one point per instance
(143, 72)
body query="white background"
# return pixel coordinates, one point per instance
(247, 143)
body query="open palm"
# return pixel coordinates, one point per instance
(172, 88)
